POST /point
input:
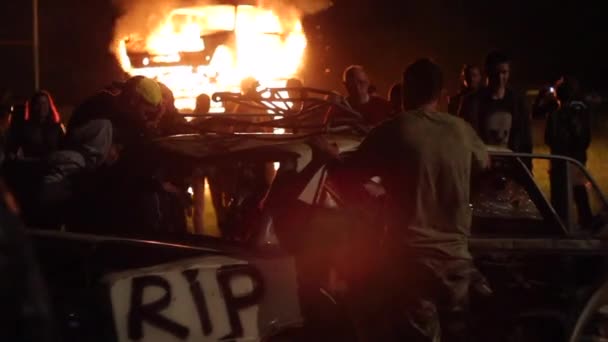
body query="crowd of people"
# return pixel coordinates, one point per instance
(503, 118)
(426, 160)
(424, 157)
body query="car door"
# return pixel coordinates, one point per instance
(536, 264)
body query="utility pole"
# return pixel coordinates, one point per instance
(35, 46)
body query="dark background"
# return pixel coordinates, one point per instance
(544, 39)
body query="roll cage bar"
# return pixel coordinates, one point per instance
(316, 113)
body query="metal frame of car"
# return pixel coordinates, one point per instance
(572, 242)
(98, 246)
(274, 96)
(283, 116)
(569, 222)
(569, 241)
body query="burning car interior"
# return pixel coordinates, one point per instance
(206, 49)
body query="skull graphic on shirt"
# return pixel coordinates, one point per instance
(498, 128)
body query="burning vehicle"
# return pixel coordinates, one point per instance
(204, 47)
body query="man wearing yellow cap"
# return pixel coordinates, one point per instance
(118, 117)
(122, 115)
(106, 122)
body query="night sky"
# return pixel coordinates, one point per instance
(543, 39)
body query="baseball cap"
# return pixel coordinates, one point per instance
(146, 88)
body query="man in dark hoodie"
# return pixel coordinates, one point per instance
(105, 123)
(102, 129)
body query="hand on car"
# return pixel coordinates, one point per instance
(320, 144)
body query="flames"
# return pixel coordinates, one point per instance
(206, 49)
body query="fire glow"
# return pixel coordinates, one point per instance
(208, 49)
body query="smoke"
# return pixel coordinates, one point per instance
(290, 10)
(305, 7)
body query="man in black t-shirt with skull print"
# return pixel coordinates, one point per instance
(500, 116)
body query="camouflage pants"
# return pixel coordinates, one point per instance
(413, 299)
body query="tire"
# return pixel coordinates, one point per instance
(592, 322)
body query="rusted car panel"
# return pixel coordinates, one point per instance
(118, 289)
(204, 299)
